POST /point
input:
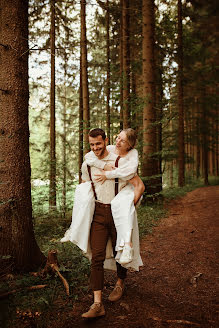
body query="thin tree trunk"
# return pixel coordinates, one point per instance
(149, 115)
(85, 91)
(52, 189)
(197, 138)
(121, 42)
(217, 144)
(205, 138)
(64, 141)
(126, 64)
(108, 118)
(181, 151)
(159, 115)
(80, 132)
(17, 241)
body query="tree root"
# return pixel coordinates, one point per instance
(52, 266)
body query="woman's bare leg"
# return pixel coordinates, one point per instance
(139, 188)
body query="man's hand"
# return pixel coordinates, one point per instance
(101, 177)
(109, 167)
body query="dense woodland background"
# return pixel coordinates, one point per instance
(68, 66)
(149, 65)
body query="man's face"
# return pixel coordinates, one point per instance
(98, 145)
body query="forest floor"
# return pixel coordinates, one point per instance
(177, 285)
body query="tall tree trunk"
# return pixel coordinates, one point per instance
(159, 115)
(52, 189)
(64, 140)
(17, 241)
(181, 151)
(80, 132)
(85, 91)
(126, 64)
(149, 131)
(108, 119)
(121, 65)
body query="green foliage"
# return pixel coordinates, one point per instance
(171, 193)
(148, 217)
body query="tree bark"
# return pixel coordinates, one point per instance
(80, 132)
(85, 90)
(52, 187)
(121, 66)
(181, 151)
(126, 64)
(64, 140)
(108, 118)
(149, 116)
(17, 241)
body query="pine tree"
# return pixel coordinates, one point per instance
(17, 242)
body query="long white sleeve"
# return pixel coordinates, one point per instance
(127, 167)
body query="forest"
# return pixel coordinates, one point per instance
(69, 66)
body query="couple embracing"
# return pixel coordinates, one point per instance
(104, 222)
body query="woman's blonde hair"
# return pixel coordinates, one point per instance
(131, 137)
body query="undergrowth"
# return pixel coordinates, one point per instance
(36, 308)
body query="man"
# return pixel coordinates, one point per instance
(102, 227)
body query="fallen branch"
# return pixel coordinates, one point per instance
(177, 321)
(21, 289)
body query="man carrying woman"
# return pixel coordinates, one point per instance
(101, 240)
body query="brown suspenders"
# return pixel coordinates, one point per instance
(116, 179)
(92, 184)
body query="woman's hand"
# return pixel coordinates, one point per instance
(109, 167)
(101, 177)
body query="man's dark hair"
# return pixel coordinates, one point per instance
(97, 132)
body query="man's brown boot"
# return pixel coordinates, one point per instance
(116, 293)
(96, 310)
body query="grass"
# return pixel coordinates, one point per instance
(36, 308)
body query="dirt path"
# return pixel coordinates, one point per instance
(177, 285)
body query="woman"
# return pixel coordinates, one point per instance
(123, 210)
